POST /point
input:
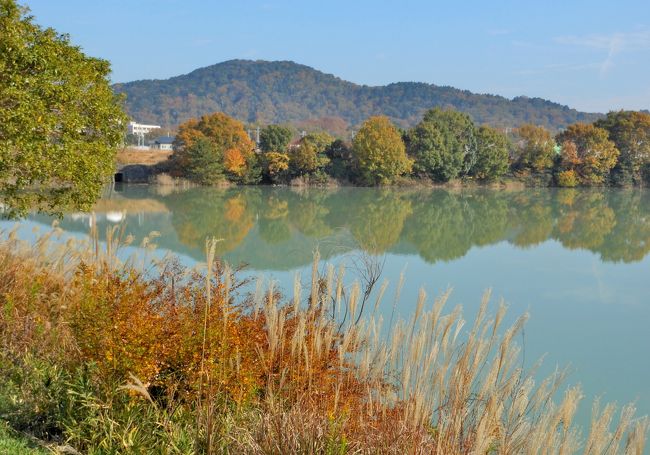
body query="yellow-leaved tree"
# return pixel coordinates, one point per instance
(379, 152)
(534, 149)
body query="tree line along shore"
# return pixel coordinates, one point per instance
(446, 147)
(99, 355)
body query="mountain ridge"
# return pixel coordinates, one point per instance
(260, 91)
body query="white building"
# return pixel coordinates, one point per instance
(164, 143)
(140, 129)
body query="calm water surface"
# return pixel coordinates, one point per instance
(577, 260)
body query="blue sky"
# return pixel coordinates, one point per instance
(592, 55)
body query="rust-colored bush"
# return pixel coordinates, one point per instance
(259, 374)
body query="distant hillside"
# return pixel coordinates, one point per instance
(286, 92)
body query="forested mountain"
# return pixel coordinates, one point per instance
(286, 92)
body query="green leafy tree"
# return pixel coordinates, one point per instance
(445, 225)
(379, 152)
(340, 164)
(319, 140)
(426, 146)
(492, 154)
(339, 150)
(130, 139)
(60, 122)
(443, 144)
(587, 150)
(275, 138)
(630, 131)
(377, 219)
(303, 159)
(629, 239)
(252, 174)
(309, 156)
(205, 162)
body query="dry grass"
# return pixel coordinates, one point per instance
(260, 374)
(146, 157)
(165, 184)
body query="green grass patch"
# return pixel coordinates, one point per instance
(16, 444)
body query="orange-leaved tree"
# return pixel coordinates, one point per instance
(588, 152)
(228, 136)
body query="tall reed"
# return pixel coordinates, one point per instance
(255, 372)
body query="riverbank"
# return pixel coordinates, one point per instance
(158, 174)
(154, 167)
(167, 362)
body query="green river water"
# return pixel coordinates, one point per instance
(576, 260)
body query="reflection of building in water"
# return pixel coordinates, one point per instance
(114, 217)
(85, 218)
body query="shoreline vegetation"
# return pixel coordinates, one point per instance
(111, 356)
(446, 149)
(104, 355)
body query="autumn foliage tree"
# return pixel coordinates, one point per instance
(445, 145)
(588, 152)
(276, 165)
(379, 152)
(567, 175)
(227, 136)
(534, 150)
